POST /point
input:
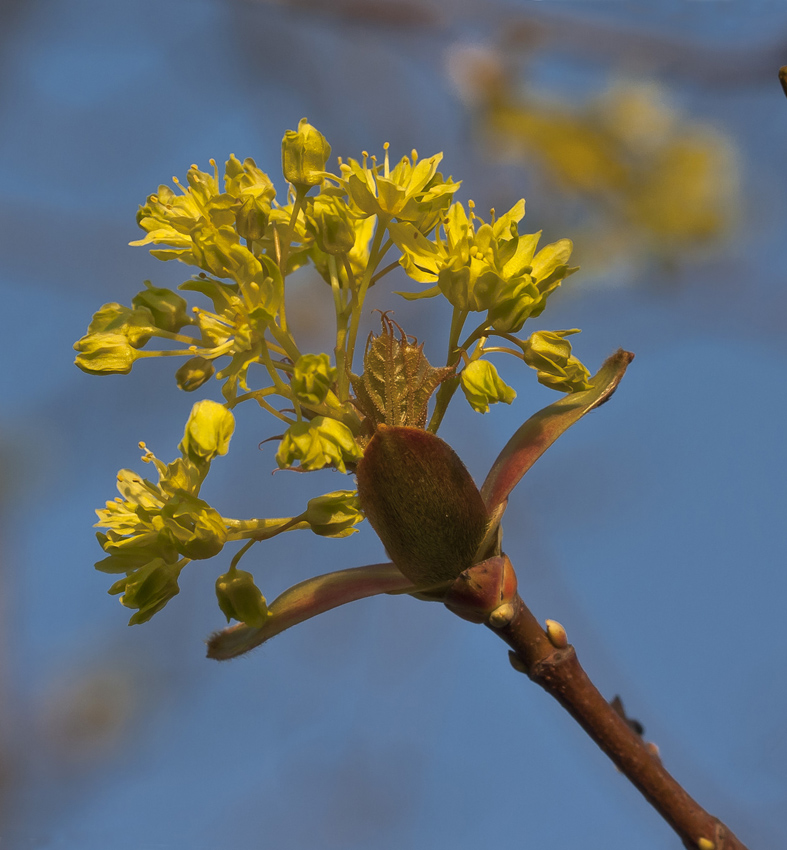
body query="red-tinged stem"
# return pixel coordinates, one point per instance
(560, 674)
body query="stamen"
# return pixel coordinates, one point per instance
(179, 185)
(414, 155)
(386, 169)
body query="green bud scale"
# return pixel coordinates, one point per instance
(422, 502)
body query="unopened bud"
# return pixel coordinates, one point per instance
(556, 634)
(304, 154)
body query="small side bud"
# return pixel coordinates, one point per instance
(517, 663)
(556, 634)
(502, 615)
(484, 593)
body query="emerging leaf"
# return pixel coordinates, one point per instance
(533, 438)
(397, 380)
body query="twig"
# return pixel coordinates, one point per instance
(554, 666)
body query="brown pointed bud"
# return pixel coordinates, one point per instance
(422, 502)
(484, 592)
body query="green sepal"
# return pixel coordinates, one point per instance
(149, 589)
(169, 310)
(136, 325)
(198, 531)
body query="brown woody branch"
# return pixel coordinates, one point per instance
(558, 671)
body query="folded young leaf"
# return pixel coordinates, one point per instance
(305, 600)
(533, 438)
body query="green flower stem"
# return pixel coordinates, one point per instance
(375, 255)
(189, 340)
(448, 388)
(239, 554)
(281, 388)
(501, 349)
(481, 331)
(255, 394)
(284, 250)
(339, 351)
(277, 413)
(285, 340)
(210, 353)
(262, 529)
(389, 268)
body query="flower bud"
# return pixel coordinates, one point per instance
(332, 226)
(304, 154)
(334, 514)
(149, 589)
(240, 599)
(137, 326)
(198, 531)
(105, 354)
(169, 310)
(208, 431)
(482, 386)
(422, 502)
(252, 218)
(550, 354)
(194, 373)
(514, 305)
(321, 442)
(455, 285)
(312, 377)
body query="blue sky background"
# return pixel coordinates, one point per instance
(654, 530)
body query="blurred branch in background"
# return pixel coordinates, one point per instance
(644, 183)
